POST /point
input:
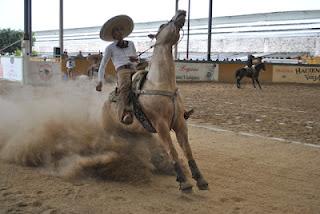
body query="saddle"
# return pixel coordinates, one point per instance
(137, 83)
(250, 70)
(136, 89)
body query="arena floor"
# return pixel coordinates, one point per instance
(287, 111)
(234, 135)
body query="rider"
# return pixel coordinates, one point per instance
(123, 55)
(250, 62)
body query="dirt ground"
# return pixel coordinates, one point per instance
(288, 111)
(246, 174)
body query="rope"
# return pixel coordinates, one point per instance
(145, 50)
(11, 45)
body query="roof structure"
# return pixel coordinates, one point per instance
(274, 35)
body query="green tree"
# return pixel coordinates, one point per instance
(11, 38)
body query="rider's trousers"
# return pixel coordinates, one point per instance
(124, 87)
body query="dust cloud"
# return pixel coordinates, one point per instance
(58, 129)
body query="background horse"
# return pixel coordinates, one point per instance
(252, 73)
(94, 61)
(162, 104)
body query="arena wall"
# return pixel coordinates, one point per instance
(229, 73)
(296, 74)
(41, 72)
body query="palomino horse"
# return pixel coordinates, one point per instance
(94, 61)
(162, 104)
(252, 73)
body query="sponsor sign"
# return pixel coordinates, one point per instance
(11, 68)
(196, 71)
(42, 73)
(296, 74)
(1, 70)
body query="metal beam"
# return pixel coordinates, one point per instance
(26, 22)
(27, 36)
(30, 25)
(188, 30)
(61, 27)
(209, 31)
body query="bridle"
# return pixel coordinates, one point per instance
(161, 28)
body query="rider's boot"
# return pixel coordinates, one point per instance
(187, 114)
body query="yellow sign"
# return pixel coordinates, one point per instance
(296, 74)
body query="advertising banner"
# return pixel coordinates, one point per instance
(11, 68)
(1, 70)
(193, 71)
(42, 73)
(296, 74)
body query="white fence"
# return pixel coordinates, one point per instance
(11, 68)
(35, 73)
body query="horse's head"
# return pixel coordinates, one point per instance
(169, 33)
(261, 66)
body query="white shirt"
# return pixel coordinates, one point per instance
(119, 57)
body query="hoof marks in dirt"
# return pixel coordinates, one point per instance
(234, 199)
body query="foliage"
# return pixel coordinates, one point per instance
(34, 53)
(8, 37)
(18, 52)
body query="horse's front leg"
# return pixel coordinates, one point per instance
(164, 134)
(253, 83)
(238, 82)
(181, 131)
(258, 83)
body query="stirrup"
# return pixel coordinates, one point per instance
(127, 118)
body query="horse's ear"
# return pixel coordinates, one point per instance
(152, 36)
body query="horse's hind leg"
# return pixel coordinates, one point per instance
(239, 78)
(258, 83)
(164, 134)
(182, 137)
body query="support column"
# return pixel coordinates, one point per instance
(188, 34)
(26, 44)
(209, 31)
(61, 27)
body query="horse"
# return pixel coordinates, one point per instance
(94, 63)
(252, 73)
(162, 104)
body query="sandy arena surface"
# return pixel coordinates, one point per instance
(48, 153)
(288, 111)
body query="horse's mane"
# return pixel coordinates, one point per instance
(259, 66)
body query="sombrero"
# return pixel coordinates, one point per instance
(123, 21)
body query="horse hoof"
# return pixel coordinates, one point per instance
(186, 187)
(202, 184)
